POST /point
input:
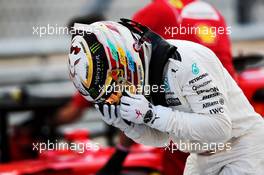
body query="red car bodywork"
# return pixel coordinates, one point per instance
(251, 82)
(70, 162)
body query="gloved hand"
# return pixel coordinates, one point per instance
(137, 109)
(111, 115)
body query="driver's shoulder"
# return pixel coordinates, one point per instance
(191, 52)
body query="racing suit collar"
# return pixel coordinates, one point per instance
(161, 51)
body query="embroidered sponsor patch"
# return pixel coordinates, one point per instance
(198, 78)
(217, 110)
(195, 69)
(222, 101)
(213, 89)
(196, 87)
(173, 101)
(210, 96)
(206, 105)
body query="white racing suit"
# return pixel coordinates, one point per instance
(206, 107)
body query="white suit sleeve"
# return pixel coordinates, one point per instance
(204, 128)
(208, 120)
(148, 136)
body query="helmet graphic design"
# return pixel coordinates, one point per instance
(102, 55)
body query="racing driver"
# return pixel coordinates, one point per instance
(191, 99)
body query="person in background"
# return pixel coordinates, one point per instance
(165, 17)
(200, 16)
(73, 110)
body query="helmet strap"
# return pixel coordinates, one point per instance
(160, 53)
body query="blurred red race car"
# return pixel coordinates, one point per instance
(141, 160)
(250, 69)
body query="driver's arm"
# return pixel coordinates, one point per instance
(146, 135)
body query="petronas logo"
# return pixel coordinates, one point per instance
(95, 47)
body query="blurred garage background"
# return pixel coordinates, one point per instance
(34, 68)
